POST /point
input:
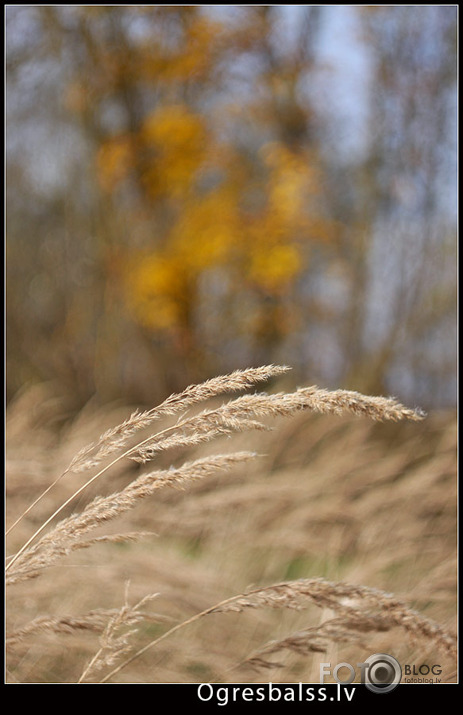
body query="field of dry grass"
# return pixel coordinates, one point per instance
(222, 551)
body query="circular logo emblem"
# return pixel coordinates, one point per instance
(383, 673)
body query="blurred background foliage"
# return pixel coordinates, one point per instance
(193, 189)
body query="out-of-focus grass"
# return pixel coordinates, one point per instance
(337, 497)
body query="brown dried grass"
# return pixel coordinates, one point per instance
(272, 520)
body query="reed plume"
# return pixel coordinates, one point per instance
(358, 610)
(116, 438)
(66, 536)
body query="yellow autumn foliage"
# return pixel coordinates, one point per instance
(211, 203)
(114, 161)
(266, 249)
(291, 182)
(273, 267)
(206, 231)
(155, 286)
(175, 138)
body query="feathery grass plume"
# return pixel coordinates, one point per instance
(33, 566)
(360, 607)
(352, 602)
(199, 429)
(115, 639)
(94, 621)
(117, 437)
(313, 398)
(338, 401)
(317, 639)
(236, 415)
(67, 534)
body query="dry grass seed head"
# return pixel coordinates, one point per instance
(350, 603)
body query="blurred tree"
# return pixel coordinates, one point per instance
(393, 193)
(192, 212)
(188, 200)
(407, 282)
(233, 206)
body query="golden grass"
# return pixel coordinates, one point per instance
(326, 517)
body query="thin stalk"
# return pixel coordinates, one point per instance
(29, 508)
(73, 496)
(172, 630)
